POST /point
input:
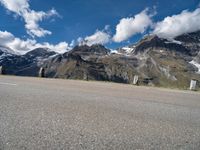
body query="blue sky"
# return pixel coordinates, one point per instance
(81, 18)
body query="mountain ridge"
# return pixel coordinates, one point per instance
(157, 62)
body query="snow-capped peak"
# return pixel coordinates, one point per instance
(128, 50)
(7, 50)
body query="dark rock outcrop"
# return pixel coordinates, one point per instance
(25, 65)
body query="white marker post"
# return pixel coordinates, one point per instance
(193, 85)
(41, 72)
(135, 80)
(1, 70)
(85, 77)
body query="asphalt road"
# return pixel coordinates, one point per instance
(65, 114)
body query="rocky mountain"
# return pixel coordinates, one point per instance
(7, 51)
(24, 65)
(168, 63)
(157, 62)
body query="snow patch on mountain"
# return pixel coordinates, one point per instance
(7, 50)
(174, 41)
(114, 51)
(128, 50)
(197, 65)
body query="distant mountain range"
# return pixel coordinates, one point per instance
(157, 62)
(24, 65)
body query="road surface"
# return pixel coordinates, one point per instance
(65, 114)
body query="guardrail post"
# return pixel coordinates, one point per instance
(42, 72)
(2, 70)
(135, 80)
(193, 84)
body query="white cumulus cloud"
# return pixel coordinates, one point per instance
(21, 46)
(99, 37)
(5, 37)
(131, 26)
(173, 26)
(32, 18)
(61, 47)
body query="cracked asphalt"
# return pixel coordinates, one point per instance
(54, 114)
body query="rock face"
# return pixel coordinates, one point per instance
(24, 65)
(81, 63)
(156, 61)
